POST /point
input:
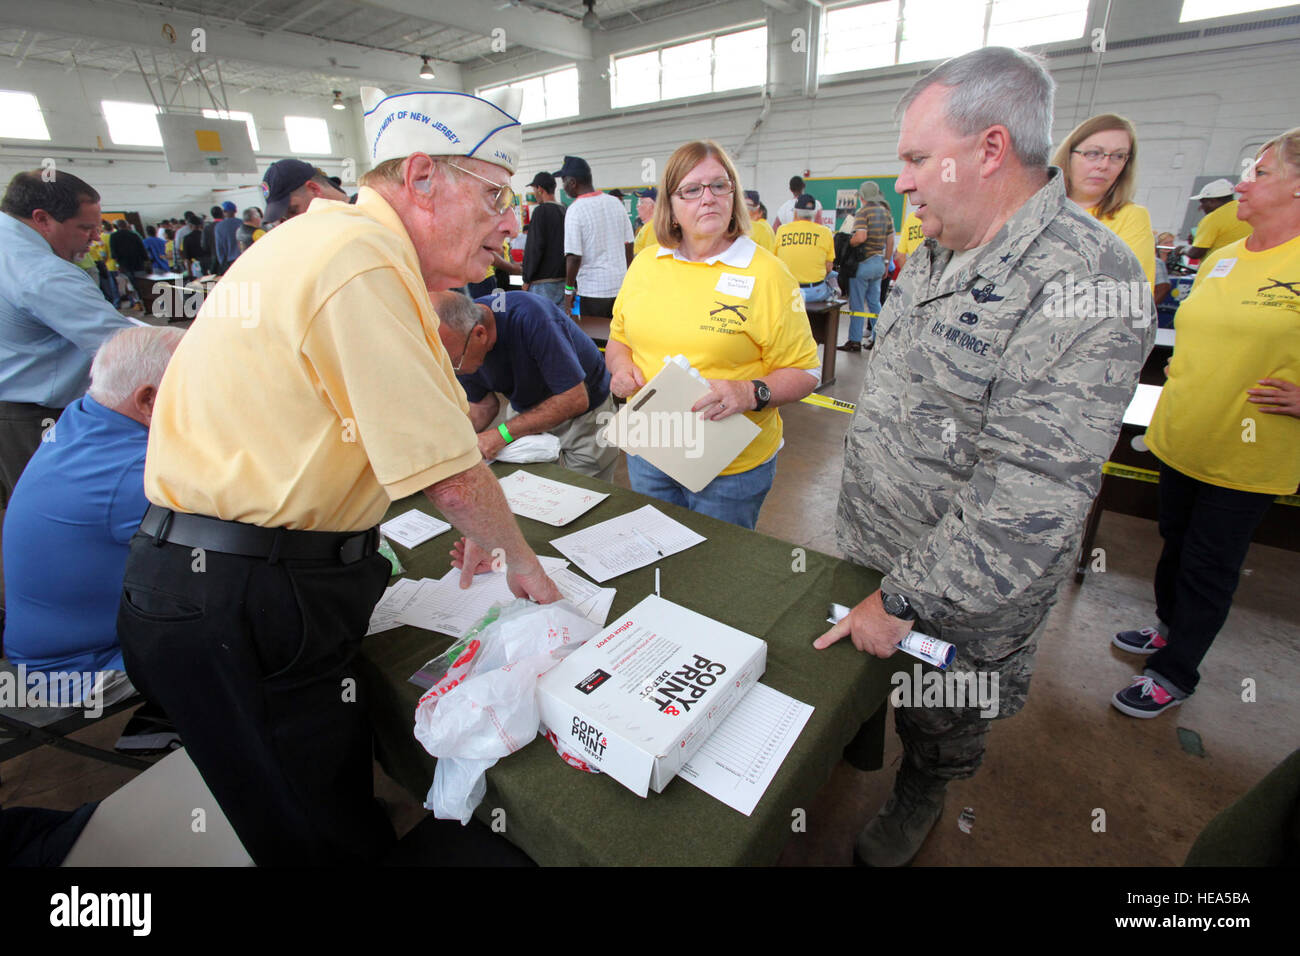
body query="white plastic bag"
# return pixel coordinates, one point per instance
(530, 448)
(485, 707)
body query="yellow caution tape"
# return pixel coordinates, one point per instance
(1146, 474)
(825, 401)
(1127, 471)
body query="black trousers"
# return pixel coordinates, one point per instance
(253, 663)
(1207, 532)
(22, 426)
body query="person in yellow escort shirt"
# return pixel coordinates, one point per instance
(1226, 429)
(645, 211)
(759, 228)
(910, 237)
(1221, 224)
(710, 293)
(808, 249)
(312, 392)
(1099, 159)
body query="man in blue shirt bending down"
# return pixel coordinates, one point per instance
(74, 510)
(523, 346)
(52, 315)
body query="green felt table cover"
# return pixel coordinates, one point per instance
(562, 816)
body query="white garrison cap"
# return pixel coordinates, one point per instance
(444, 123)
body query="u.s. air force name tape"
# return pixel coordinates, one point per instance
(1146, 474)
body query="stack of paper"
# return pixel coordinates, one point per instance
(413, 528)
(625, 543)
(395, 599)
(541, 499)
(739, 760)
(442, 605)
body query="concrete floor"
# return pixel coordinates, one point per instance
(1049, 770)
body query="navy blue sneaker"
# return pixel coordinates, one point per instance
(1147, 640)
(1144, 698)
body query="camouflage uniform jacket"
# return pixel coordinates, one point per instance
(991, 400)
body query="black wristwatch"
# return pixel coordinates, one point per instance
(898, 606)
(762, 395)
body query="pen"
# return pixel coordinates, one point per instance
(647, 542)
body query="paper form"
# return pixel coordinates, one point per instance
(413, 528)
(591, 600)
(441, 605)
(737, 762)
(625, 543)
(552, 502)
(396, 597)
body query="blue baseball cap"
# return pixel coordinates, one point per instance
(651, 193)
(229, 206)
(281, 179)
(574, 166)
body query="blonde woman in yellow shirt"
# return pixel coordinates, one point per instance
(1226, 429)
(1099, 159)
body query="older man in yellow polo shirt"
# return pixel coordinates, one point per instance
(311, 392)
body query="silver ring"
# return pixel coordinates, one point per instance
(722, 404)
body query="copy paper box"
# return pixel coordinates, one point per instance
(638, 699)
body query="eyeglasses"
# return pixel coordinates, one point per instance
(464, 351)
(1096, 155)
(505, 196)
(692, 191)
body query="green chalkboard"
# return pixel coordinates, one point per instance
(825, 191)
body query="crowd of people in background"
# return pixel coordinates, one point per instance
(974, 532)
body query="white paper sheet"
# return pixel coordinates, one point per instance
(625, 543)
(738, 761)
(396, 597)
(441, 605)
(552, 502)
(591, 600)
(413, 528)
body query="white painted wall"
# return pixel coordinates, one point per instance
(137, 178)
(1200, 105)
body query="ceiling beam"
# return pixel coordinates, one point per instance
(523, 26)
(104, 21)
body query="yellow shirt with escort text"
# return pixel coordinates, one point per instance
(913, 234)
(1132, 223)
(806, 248)
(1240, 323)
(312, 389)
(760, 230)
(739, 317)
(645, 236)
(1220, 227)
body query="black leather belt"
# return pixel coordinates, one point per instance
(809, 285)
(251, 541)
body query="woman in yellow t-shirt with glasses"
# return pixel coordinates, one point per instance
(708, 292)
(1099, 159)
(1226, 429)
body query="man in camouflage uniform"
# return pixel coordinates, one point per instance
(1005, 357)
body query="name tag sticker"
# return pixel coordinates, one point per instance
(1222, 268)
(731, 284)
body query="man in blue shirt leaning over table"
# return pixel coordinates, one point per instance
(52, 315)
(74, 510)
(524, 346)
